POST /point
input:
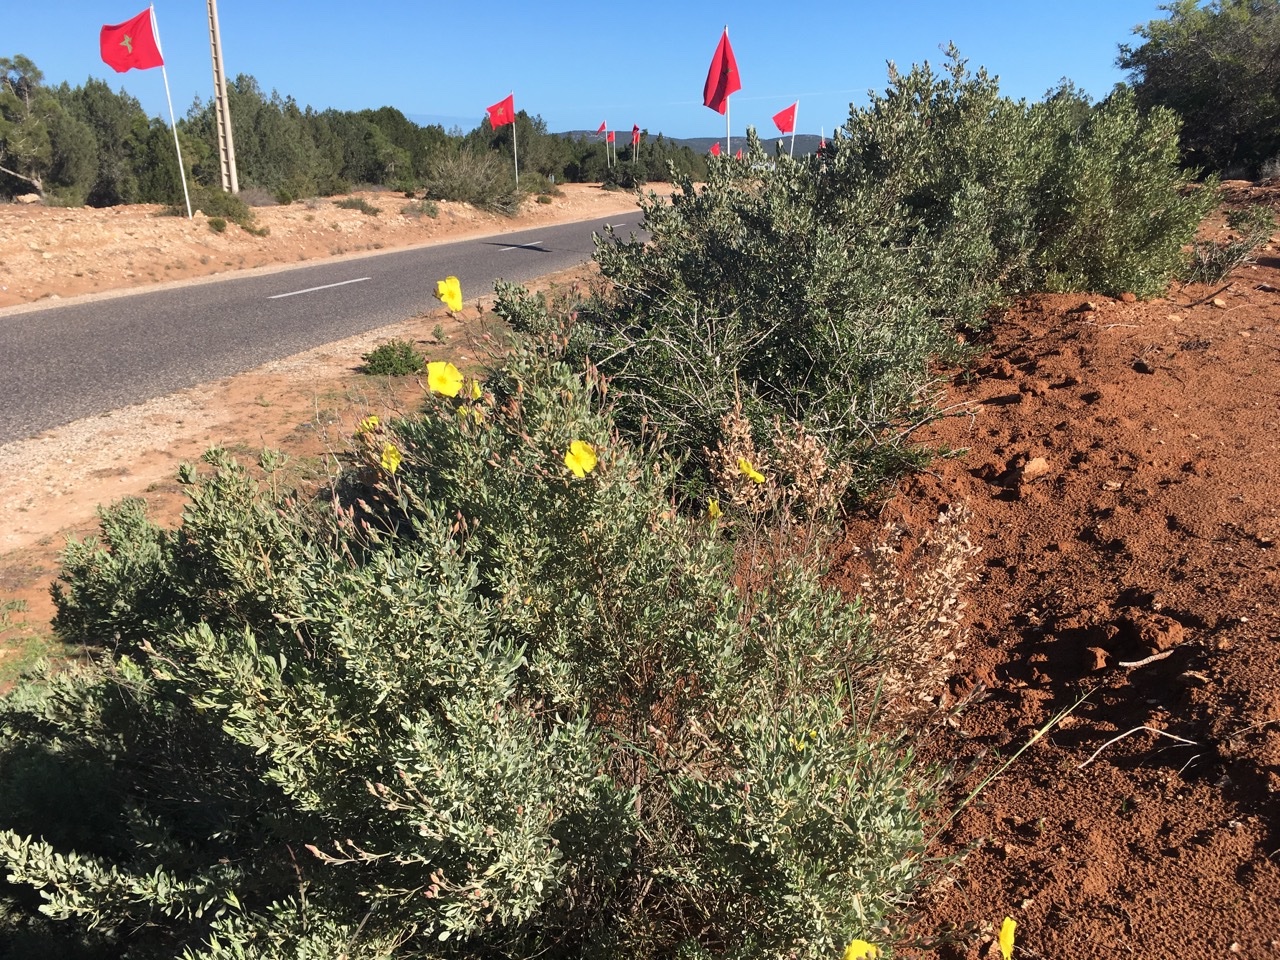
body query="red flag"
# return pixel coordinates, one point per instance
(610, 137)
(635, 135)
(722, 78)
(601, 130)
(715, 149)
(502, 112)
(785, 120)
(131, 45)
(738, 155)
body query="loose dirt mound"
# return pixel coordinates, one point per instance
(1119, 460)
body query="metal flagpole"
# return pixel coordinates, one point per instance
(182, 173)
(515, 154)
(794, 121)
(728, 137)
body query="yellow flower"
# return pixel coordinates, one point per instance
(449, 291)
(443, 378)
(713, 508)
(474, 389)
(861, 950)
(369, 424)
(390, 458)
(581, 458)
(476, 413)
(748, 471)
(1006, 937)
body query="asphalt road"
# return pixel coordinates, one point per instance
(78, 360)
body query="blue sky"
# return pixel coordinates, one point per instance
(577, 63)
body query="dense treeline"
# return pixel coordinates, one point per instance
(89, 144)
(1218, 67)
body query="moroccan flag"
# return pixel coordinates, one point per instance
(715, 149)
(785, 120)
(635, 135)
(722, 78)
(601, 130)
(502, 112)
(738, 155)
(131, 45)
(610, 137)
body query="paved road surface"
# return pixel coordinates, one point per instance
(78, 360)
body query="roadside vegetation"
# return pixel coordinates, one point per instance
(91, 145)
(548, 668)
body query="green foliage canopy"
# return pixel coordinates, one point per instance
(1217, 65)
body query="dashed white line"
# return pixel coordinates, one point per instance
(327, 286)
(520, 246)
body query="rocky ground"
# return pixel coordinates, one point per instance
(1117, 461)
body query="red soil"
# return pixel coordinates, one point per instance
(1140, 569)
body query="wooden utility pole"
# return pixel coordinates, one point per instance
(222, 108)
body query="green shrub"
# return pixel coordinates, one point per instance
(358, 203)
(479, 178)
(218, 203)
(395, 358)
(818, 291)
(471, 706)
(422, 208)
(1210, 261)
(1116, 208)
(217, 224)
(261, 197)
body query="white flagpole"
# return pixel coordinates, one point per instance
(515, 154)
(728, 137)
(182, 173)
(794, 122)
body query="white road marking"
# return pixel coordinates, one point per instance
(520, 246)
(327, 286)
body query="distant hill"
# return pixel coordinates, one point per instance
(805, 142)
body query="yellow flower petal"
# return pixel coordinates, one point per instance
(861, 950)
(369, 424)
(449, 291)
(1006, 937)
(581, 458)
(475, 390)
(390, 458)
(748, 471)
(443, 378)
(713, 509)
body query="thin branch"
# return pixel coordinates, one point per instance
(1190, 743)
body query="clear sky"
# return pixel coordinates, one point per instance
(578, 63)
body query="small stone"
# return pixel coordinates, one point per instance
(1218, 302)
(1175, 318)
(1033, 470)
(1128, 298)
(1087, 307)
(1091, 396)
(1096, 659)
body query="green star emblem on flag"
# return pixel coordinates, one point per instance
(127, 43)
